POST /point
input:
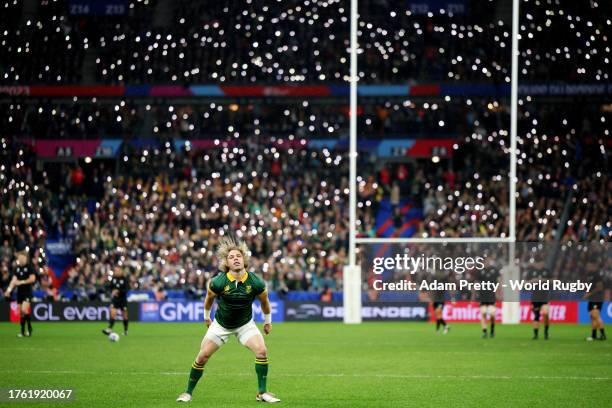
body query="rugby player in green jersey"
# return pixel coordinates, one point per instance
(235, 289)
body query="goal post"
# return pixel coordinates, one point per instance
(352, 272)
(352, 278)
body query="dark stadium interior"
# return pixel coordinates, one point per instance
(184, 41)
(188, 212)
(189, 168)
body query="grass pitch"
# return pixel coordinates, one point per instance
(314, 365)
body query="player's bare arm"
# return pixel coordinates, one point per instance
(208, 304)
(11, 286)
(267, 311)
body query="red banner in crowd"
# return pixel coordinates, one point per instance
(66, 148)
(431, 147)
(77, 90)
(419, 90)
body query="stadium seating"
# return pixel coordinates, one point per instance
(261, 42)
(160, 201)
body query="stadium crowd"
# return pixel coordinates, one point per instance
(560, 150)
(378, 118)
(422, 117)
(473, 201)
(301, 42)
(163, 227)
(159, 212)
(162, 212)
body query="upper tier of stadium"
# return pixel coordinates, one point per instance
(297, 42)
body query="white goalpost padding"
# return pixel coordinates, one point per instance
(352, 272)
(351, 294)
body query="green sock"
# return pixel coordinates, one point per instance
(194, 376)
(261, 368)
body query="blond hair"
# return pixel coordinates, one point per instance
(225, 246)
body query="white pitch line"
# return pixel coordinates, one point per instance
(326, 375)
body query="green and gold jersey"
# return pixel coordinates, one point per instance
(235, 298)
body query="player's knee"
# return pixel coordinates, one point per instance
(261, 352)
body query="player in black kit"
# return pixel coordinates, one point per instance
(487, 300)
(24, 277)
(596, 299)
(119, 291)
(437, 298)
(539, 300)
